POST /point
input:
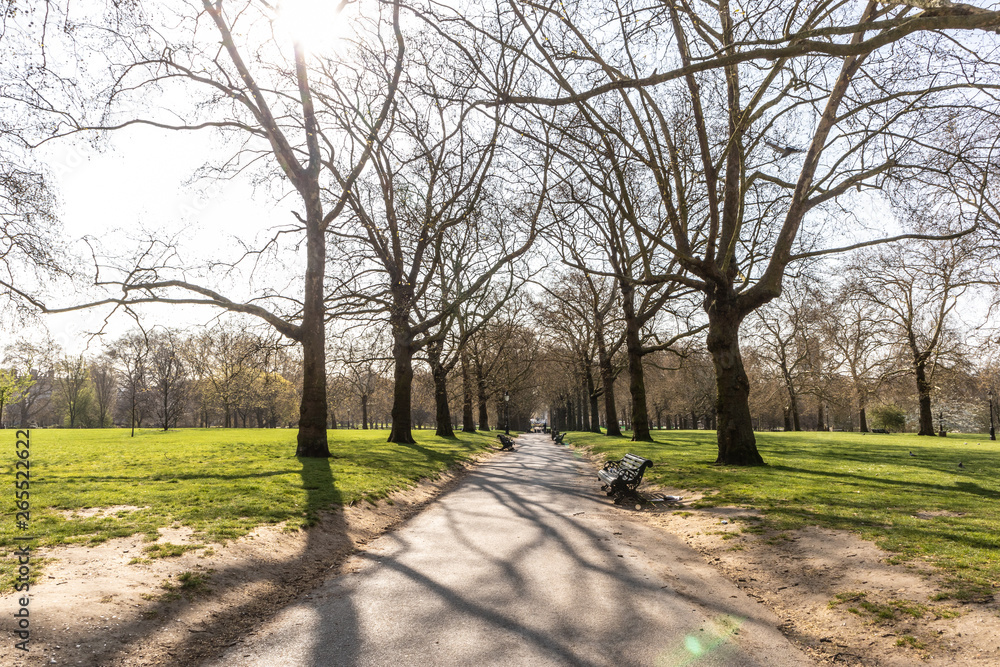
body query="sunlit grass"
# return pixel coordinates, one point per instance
(920, 506)
(219, 482)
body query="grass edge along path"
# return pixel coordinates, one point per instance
(905, 493)
(88, 486)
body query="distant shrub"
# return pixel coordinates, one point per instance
(890, 417)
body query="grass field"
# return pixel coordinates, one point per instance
(919, 506)
(220, 482)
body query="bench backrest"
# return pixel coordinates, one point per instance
(634, 462)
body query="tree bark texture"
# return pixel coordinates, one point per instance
(924, 399)
(440, 375)
(312, 440)
(737, 443)
(402, 390)
(468, 420)
(637, 383)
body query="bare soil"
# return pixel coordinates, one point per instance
(95, 606)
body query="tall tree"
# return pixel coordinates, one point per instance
(440, 188)
(31, 239)
(73, 389)
(168, 380)
(104, 383)
(855, 331)
(286, 104)
(129, 354)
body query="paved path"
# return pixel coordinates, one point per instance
(524, 563)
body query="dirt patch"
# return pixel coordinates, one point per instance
(117, 603)
(837, 595)
(99, 512)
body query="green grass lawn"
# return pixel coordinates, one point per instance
(920, 507)
(220, 482)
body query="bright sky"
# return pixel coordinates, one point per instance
(140, 182)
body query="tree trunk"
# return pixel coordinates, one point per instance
(312, 441)
(862, 416)
(595, 418)
(440, 375)
(608, 380)
(637, 383)
(468, 422)
(364, 412)
(820, 417)
(484, 415)
(402, 354)
(737, 443)
(924, 394)
(793, 401)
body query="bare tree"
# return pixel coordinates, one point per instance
(441, 192)
(918, 288)
(73, 389)
(286, 108)
(168, 381)
(104, 382)
(855, 331)
(31, 240)
(129, 354)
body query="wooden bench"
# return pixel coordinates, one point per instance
(884, 431)
(622, 478)
(507, 442)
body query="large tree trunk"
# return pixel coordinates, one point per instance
(468, 421)
(737, 444)
(862, 416)
(364, 412)
(924, 396)
(402, 391)
(440, 375)
(312, 411)
(637, 383)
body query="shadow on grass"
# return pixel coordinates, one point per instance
(273, 588)
(965, 487)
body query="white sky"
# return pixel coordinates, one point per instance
(139, 181)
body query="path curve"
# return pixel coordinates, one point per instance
(524, 563)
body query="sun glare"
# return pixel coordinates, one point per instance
(315, 24)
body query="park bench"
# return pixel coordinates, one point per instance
(884, 431)
(622, 478)
(559, 438)
(507, 442)
(554, 433)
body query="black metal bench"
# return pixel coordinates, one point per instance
(622, 478)
(507, 442)
(881, 430)
(559, 438)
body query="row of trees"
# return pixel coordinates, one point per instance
(683, 159)
(219, 377)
